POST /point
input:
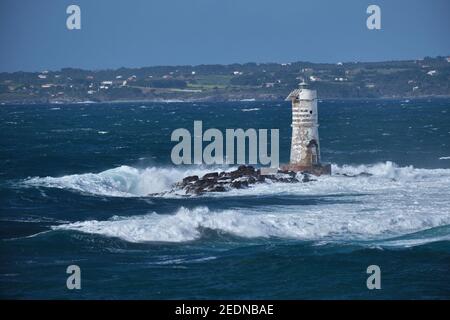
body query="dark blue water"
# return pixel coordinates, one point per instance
(74, 181)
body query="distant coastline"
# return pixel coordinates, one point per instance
(424, 78)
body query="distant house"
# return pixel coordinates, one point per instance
(269, 84)
(107, 83)
(42, 76)
(431, 72)
(237, 73)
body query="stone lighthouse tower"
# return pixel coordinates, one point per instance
(305, 146)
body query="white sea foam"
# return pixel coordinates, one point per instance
(385, 179)
(407, 243)
(126, 181)
(338, 222)
(391, 202)
(123, 181)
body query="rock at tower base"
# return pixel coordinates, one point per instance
(317, 170)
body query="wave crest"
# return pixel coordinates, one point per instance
(123, 181)
(126, 181)
(308, 224)
(389, 170)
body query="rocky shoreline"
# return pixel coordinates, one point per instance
(244, 177)
(241, 178)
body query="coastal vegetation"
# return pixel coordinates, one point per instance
(259, 81)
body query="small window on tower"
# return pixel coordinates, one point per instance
(310, 112)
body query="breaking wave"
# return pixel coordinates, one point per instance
(126, 181)
(123, 181)
(317, 224)
(365, 203)
(391, 170)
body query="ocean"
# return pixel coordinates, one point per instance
(74, 190)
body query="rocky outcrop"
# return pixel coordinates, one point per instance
(243, 177)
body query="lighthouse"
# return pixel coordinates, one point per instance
(305, 145)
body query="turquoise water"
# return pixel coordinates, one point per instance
(74, 181)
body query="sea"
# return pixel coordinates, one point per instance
(89, 185)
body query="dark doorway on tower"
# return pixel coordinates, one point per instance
(312, 152)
